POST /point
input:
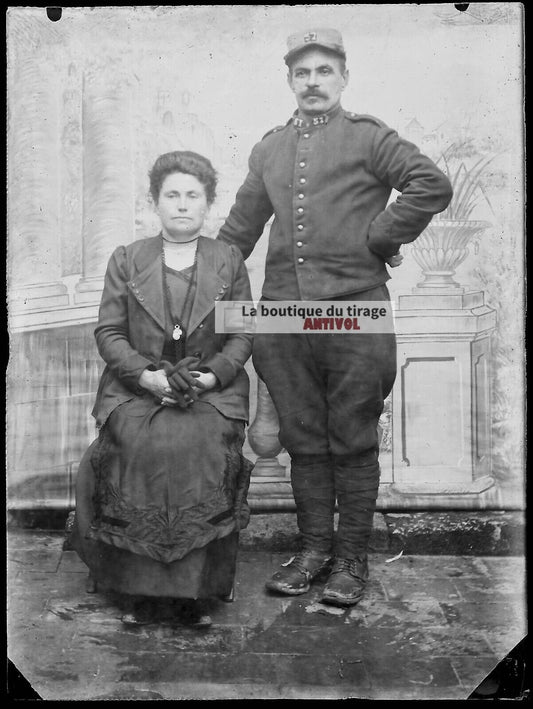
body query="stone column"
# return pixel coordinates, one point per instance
(108, 173)
(34, 258)
(71, 170)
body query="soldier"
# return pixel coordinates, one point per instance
(327, 176)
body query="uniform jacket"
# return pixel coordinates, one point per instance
(130, 334)
(328, 186)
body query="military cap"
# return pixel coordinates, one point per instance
(326, 38)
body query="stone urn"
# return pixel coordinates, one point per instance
(441, 248)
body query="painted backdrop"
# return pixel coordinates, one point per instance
(94, 98)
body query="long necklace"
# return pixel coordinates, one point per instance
(178, 330)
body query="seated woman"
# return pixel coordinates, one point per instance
(161, 493)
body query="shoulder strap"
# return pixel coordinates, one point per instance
(276, 129)
(356, 117)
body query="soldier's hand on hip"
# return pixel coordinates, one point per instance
(395, 260)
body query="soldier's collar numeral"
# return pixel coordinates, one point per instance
(316, 121)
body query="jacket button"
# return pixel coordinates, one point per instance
(141, 298)
(200, 326)
(221, 291)
(302, 163)
(300, 210)
(299, 243)
(300, 260)
(196, 354)
(133, 284)
(302, 180)
(301, 195)
(300, 227)
(306, 135)
(217, 297)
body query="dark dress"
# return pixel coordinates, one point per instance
(161, 494)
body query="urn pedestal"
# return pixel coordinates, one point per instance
(441, 401)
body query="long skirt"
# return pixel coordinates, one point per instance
(160, 499)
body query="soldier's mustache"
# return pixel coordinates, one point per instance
(315, 94)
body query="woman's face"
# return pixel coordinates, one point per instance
(182, 206)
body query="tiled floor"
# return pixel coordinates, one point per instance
(429, 627)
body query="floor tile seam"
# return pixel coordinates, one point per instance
(226, 654)
(244, 624)
(471, 686)
(505, 598)
(457, 590)
(37, 545)
(487, 638)
(18, 556)
(375, 566)
(246, 692)
(383, 589)
(25, 570)
(457, 557)
(481, 600)
(254, 681)
(237, 623)
(160, 685)
(303, 689)
(41, 608)
(458, 656)
(409, 626)
(30, 536)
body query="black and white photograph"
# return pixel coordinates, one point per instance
(265, 390)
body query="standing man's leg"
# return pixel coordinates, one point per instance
(286, 365)
(361, 369)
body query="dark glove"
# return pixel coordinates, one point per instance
(181, 380)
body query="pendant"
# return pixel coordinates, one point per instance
(177, 332)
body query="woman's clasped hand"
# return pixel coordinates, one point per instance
(178, 385)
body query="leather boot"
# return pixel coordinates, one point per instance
(346, 582)
(296, 575)
(312, 485)
(357, 490)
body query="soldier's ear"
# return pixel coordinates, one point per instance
(289, 80)
(346, 77)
